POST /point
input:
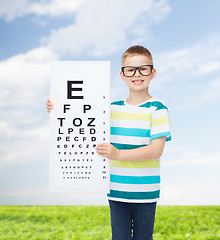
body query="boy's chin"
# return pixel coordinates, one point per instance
(138, 88)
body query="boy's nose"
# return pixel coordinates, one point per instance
(137, 73)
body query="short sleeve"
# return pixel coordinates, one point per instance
(160, 125)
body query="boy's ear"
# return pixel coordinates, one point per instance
(122, 76)
(153, 74)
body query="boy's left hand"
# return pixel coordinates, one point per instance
(107, 150)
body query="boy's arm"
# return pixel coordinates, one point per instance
(151, 151)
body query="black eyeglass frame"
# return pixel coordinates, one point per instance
(137, 68)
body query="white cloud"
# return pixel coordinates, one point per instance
(187, 63)
(102, 27)
(187, 157)
(213, 90)
(24, 76)
(199, 193)
(55, 7)
(190, 75)
(189, 177)
(23, 128)
(12, 9)
(22, 150)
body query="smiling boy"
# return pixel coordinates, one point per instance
(139, 130)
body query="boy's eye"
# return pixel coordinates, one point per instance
(129, 69)
(143, 68)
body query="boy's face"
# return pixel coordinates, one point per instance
(137, 82)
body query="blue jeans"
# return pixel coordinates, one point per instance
(132, 220)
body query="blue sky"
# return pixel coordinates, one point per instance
(184, 39)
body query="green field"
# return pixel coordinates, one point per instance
(93, 222)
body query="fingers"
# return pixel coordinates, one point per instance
(102, 145)
(102, 153)
(49, 108)
(102, 149)
(49, 105)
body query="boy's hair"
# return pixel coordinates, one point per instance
(136, 50)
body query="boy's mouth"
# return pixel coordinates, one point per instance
(137, 82)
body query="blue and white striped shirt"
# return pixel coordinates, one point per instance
(134, 126)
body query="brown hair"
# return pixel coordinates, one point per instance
(136, 50)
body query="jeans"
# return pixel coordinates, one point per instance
(132, 220)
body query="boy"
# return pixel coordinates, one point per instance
(139, 129)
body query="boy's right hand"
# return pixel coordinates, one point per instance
(49, 105)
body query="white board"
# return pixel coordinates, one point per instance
(80, 93)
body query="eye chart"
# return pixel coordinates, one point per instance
(79, 121)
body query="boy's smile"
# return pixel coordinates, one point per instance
(137, 82)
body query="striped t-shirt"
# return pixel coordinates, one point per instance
(134, 126)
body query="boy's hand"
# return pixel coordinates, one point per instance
(49, 105)
(107, 150)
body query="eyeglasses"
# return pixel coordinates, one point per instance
(129, 71)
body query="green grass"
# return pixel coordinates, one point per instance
(187, 223)
(93, 222)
